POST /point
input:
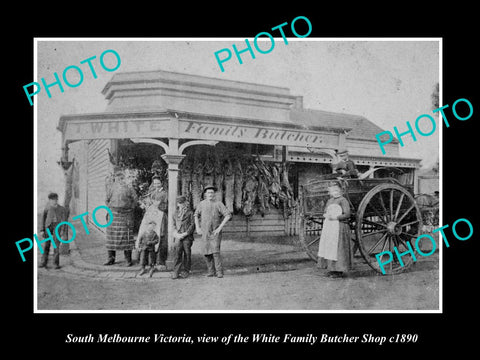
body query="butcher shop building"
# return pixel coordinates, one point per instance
(256, 143)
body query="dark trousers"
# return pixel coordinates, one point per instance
(127, 253)
(146, 255)
(214, 263)
(183, 255)
(162, 251)
(56, 250)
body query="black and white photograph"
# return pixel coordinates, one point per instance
(226, 180)
(271, 174)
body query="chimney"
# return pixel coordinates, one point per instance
(298, 102)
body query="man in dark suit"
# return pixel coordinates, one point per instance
(183, 227)
(52, 216)
(345, 167)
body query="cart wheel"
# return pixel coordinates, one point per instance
(387, 217)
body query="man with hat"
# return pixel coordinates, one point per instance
(211, 216)
(345, 167)
(121, 198)
(52, 216)
(183, 227)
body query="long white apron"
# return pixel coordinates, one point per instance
(152, 213)
(328, 247)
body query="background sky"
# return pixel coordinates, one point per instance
(388, 82)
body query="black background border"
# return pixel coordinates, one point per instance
(460, 75)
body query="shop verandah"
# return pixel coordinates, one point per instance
(105, 146)
(192, 127)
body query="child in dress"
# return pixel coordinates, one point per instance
(146, 244)
(334, 253)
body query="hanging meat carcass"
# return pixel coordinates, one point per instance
(262, 192)
(286, 192)
(263, 195)
(238, 187)
(197, 178)
(229, 182)
(250, 190)
(219, 176)
(274, 186)
(208, 170)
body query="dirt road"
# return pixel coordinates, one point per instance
(302, 289)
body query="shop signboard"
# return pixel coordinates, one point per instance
(116, 128)
(257, 134)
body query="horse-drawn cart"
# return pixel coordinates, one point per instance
(384, 215)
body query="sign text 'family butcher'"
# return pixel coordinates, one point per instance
(261, 135)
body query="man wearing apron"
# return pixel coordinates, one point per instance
(121, 199)
(211, 216)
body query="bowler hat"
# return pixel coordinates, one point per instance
(53, 195)
(181, 199)
(209, 187)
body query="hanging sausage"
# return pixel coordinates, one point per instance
(238, 172)
(229, 182)
(197, 178)
(219, 177)
(186, 175)
(208, 170)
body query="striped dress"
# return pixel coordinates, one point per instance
(121, 199)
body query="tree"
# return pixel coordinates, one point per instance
(435, 96)
(436, 167)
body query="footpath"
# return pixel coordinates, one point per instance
(87, 254)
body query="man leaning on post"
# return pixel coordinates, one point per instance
(52, 216)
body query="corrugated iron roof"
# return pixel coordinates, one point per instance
(362, 128)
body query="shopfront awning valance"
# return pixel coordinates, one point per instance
(176, 125)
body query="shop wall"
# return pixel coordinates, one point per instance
(99, 167)
(271, 224)
(77, 152)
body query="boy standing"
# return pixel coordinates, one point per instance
(52, 216)
(210, 218)
(146, 244)
(183, 227)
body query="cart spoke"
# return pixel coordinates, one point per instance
(385, 244)
(313, 241)
(370, 222)
(399, 240)
(390, 242)
(395, 241)
(408, 234)
(399, 206)
(410, 223)
(383, 205)
(391, 204)
(373, 233)
(405, 213)
(377, 212)
(376, 244)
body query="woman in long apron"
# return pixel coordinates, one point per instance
(334, 252)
